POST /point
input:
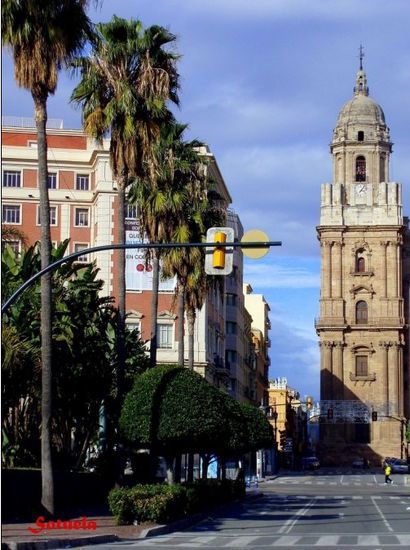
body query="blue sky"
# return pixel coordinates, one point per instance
(262, 84)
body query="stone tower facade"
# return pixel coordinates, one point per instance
(363, 312)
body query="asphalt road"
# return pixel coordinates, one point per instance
(325, 509)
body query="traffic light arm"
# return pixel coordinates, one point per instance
(75, 255)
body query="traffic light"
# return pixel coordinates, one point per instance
(219, 260)
(219, 252)
(309, 402)
(330, 414)
(374, 416)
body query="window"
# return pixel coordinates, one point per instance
(82, 182)
(134, 326)
(14, 245)
(231, 299)
(130, 211)
(360, 169)
(230, 327)
(361, 313)
(230, 357)
(77, 248)
(360, 135)
(52, 181)
(361, 365)
(53, 215)
(11, 179)
(11, 213)
(360, 265)
(81, 217)
(165, 332)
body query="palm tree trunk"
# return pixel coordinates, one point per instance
(170, 470)
(205, 463)
(181, 328)
(191, 325)
(47, 480)
(121, 291)
(154, 309)
(120, 459)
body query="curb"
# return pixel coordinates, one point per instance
(58, 543)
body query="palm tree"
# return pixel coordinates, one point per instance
(43, 35)
(161, 206)
(10, 234)
(126, 82)
(200, 211)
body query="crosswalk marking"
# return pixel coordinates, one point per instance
(246, 541)
(239, 542)
(328, 540)
(288, 540)
(367, 540)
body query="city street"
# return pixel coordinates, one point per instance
(327, 508)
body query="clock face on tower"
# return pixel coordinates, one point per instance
(361, 189)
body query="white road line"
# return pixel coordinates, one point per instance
(328, 540)
(386, 523)
(287, 541)
(241, 541)
(202, 538)
(404, 540)
(291, 522)
(367, 540)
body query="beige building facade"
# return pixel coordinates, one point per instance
(363, 323)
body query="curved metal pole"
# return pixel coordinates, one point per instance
(74, 255)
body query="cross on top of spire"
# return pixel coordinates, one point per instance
(361, 55)
(361, 87)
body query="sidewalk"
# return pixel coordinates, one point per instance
(17, 536)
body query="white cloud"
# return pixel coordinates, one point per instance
(270, 275)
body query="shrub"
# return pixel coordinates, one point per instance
(165, 503)
(148, 503)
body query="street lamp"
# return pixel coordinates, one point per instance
(270, 414)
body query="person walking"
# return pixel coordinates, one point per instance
(387, 472)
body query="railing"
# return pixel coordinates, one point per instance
(29, 122)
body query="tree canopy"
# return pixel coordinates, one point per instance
(174, 410)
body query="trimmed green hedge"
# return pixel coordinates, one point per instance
(165, 503)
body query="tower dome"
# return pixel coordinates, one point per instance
(361, 118)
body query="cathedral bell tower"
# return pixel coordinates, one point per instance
(361, 325)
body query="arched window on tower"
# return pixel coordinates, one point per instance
(360, 169)
(361, 313)
(360, 261)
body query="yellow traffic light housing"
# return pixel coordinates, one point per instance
(309, 402)
(219, 252)
(374, 416)
(219, 259)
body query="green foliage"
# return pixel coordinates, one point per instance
(163, 503)
(84, 374)
(174, 410)
(147, 503)
(260, 431)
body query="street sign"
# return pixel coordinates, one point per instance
(254, 236)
